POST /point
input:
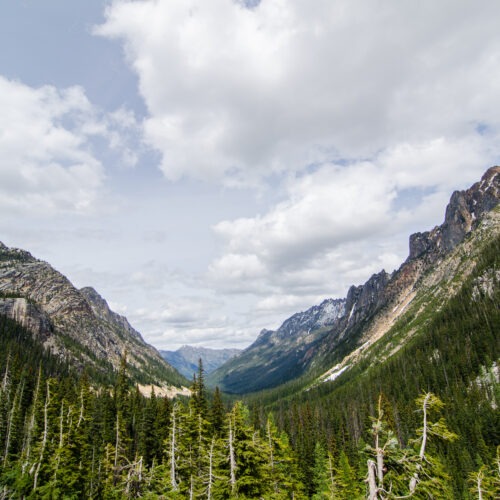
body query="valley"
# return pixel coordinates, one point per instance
(329, 405)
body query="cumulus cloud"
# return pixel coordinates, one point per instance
(194, 320)
(363, 116)
(339, 224)
(235, 92)
(294, 246)
(47, 159)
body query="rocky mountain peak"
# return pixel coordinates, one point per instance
(462, 215)
(367, 312)
(7, 254)
(102, 310)
(362, 299)
(76, 324)
(313, 318)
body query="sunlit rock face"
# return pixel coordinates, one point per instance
(76, 324)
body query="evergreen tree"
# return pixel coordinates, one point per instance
(217, 413)
(324, 475)
(429, 476)
(198, 392)
(348, 485)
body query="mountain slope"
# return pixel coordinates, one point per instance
(277, 356)
(185, 359)
(369, 310)
(446, 341)
(75, 324)
(462, 267)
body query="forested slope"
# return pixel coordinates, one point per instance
(450, 348)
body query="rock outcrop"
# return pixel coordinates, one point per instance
(101, 309)
(27, 314)
(463, 213)
(72, 322)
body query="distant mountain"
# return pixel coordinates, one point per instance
(185, 359)
(277, 356)
(370, 310)
(76, 325)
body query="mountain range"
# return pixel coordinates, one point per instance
(77, 325)
(314, 349)
(317, 344)
(392, 391)
(185, 359)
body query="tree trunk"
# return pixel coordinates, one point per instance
(232, 459)
(173, 449)
(372, 480)
(45, 435)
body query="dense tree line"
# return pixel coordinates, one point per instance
(61, 437)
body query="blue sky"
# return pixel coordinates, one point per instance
(212, 167)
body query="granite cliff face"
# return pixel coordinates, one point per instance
(27, 314)
(463, 214)
(75, 323)
(373, 307)
(369, 310)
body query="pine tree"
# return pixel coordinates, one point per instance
(347, 484)
(249, 452)
(385, 457)
(281, 473)
(148, 446)
(198, 392)
(428, 474)
(324, 475)
(217, 413)
(485, 483)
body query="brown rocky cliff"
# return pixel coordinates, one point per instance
(46, 302)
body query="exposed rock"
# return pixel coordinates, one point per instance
(27, 314)
(101, 309)
(316, 317)
(463, 214)
(384, 292)
(363, 300)
(48, 304)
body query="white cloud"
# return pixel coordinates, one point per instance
(48, 160)
(326, 209)
(340, 224)
(194, 320)
(235, 93)
(45, 163)
(365, 115)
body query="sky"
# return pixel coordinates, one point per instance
(211, 167)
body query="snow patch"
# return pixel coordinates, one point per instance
(352, 311)
(336, 373)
